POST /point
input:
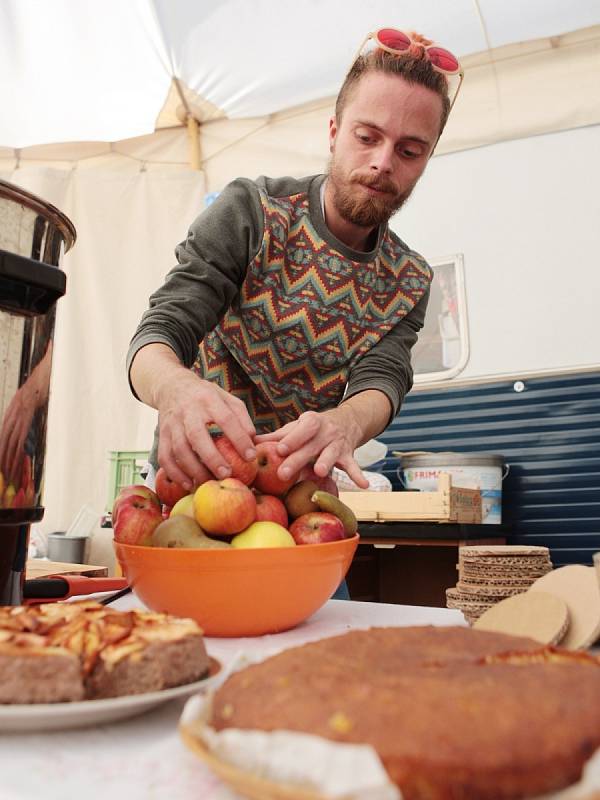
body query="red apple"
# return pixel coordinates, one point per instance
(269, 461)
(224, 507)
(326, 484)
(19, 499)
(271, 509)
(133, 491)
(26, 473)
(317, 527)
(244, 471)
(136, 520)
(168, 491)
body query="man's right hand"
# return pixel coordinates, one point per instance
(186, 406)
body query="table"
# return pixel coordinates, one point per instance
(413, 562)
(144, 758)
(41, 568)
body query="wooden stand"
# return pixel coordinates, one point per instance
(408, 571)
(448, 504)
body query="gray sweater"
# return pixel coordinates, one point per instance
(269, 304)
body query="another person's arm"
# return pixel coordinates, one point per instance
(30, 396)
(212, 266)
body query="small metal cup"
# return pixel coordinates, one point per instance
(69, 549)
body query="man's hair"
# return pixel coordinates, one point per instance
(413, 66)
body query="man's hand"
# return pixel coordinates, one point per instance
(327, 438)
(186, 405)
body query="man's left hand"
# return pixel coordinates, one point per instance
(323, 439)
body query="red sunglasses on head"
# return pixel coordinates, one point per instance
(398, 43)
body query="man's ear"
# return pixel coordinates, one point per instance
(333, 129)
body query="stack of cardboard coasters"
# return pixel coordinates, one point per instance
(488, 574)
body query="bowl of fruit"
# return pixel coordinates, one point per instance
(244, 556)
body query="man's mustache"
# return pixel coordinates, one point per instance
(377, 183)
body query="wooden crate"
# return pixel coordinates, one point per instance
(448, 504)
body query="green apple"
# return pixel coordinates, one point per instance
(264, 534)
(184, 506)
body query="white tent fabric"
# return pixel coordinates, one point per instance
(93, 97)
(80, 70)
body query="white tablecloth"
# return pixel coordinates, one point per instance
(143, 758)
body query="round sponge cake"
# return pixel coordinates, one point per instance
(452, 712)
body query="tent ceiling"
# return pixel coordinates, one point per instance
(104, 70)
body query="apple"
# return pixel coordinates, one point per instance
(264, 534)
(19, 499)
(185, 506)
(316, 527)
(271, 509)
(224, 507)
(244, 471)
(326, 484)
(136, 519)
(168, 491)
(269, 461)
(136, 490)
(26, 473)
(9, 496)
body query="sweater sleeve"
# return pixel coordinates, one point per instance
(387, 366)
(212, 264)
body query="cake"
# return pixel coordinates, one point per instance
(64, 652)
(452, 712)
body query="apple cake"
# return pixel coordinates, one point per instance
(61, 652)
(452, 712)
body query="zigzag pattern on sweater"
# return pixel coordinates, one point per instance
(306, 313)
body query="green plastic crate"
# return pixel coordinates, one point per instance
(125, 470)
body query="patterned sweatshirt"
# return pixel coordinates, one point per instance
(266, 302)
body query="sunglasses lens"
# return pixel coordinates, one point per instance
(395, 40)
(442, 59)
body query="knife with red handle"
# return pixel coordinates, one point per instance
(59, 587)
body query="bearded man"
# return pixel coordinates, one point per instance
(293, 309)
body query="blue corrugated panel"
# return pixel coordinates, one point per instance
(549, 435)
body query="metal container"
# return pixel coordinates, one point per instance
(483, 471)
(33, 235)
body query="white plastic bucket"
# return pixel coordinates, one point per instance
(481, 471)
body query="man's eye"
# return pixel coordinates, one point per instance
(410, 153)
(364, 138)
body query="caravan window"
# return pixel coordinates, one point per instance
(442, 349)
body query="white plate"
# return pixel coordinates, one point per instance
(61, 716)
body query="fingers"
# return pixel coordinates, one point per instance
(172, 462)
(355, 473)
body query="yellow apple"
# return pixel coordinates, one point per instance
(264, 534)
(184, 506)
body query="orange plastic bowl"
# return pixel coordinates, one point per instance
(238, 592)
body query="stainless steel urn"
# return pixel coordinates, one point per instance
(33, 235)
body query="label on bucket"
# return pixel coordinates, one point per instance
(487, 479)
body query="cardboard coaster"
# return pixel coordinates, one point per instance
(519, 574)
(503, 561)
(578, 587)
(488, 591)
(503, 550)
(539, 615)
(484, 580)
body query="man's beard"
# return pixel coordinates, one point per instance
(361, 209)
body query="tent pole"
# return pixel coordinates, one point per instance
(193, 128)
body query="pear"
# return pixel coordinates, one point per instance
(182, 531)
(328, 502)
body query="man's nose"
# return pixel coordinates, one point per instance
(382, 158)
